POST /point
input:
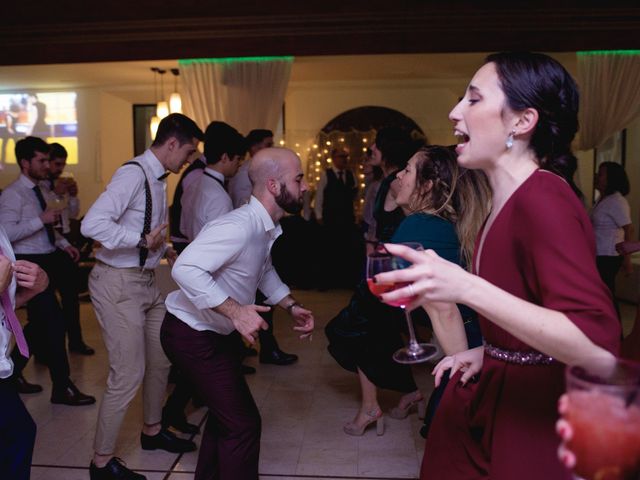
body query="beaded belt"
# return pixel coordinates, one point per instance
(514, 356)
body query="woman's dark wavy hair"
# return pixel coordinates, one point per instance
(617, 179)
(534, 80)
(397, 146)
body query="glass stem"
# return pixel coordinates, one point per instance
(414, 346)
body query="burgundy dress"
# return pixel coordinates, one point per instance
(540, 248)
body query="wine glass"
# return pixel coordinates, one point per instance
(56, 203)
(382, 261)
(604, 413)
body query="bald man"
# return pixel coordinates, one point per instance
(218, 275)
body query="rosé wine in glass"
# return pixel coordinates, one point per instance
(382, 261)
(604, 413)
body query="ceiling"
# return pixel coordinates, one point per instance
(127, 75)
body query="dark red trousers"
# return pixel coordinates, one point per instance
(230, 446)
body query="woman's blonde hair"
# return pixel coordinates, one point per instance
(456, 194)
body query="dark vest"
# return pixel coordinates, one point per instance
(337, 204)
(175, 210)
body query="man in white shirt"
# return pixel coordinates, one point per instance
(224, 147)
(129, 220)
(65, 190)
(28, 222)
(240, 186)
(19, 281)
(218, 275)
(187, 178)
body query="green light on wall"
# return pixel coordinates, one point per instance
(192, 61)
(610, 52)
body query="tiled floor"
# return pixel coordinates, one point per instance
(303, 409)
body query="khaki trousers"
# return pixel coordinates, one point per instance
(130, 310)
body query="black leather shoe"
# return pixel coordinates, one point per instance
(247, 370)
(25, 387)
(181, 425)
(114, 470)
(82, 349)
(278, 357)
(71, 396)
(165, 440)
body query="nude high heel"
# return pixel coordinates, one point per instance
(375, 416)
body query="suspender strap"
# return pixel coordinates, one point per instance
(144, 252)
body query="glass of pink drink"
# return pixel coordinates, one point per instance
(604, 412)
(382, 261)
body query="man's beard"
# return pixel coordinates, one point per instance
(287, 202)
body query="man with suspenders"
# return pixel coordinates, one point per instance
(129, 220)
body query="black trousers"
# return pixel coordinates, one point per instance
(64, 277)
(230, 446)
(46, 328)
(17, 434)
(268, 342)
(608, 267)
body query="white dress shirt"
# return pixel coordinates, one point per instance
(240, 186)
(6, 364)
(20, 216)
(116, 219)
(187, 184)
(205, 201)
(229, 258)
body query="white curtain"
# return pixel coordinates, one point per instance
(610, 95)
(245, 93)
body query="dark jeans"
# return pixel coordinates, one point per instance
(231, 439)
(17, 434)
(46, 327)
(608, 267)
(64, 277)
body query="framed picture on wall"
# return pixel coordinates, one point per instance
(141, 132)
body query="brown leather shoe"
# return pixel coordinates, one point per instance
(71, 396)
(25, 387)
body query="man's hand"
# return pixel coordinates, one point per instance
(73, 252)
(245, 318)
(303, 321)
(6, 273)
(50, 216)
(30, 276)
(171, 255)
(156, 237)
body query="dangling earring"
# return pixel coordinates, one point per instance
(509, 142)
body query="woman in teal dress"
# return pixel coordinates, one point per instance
(435, 194)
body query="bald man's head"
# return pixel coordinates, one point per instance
(278, 171)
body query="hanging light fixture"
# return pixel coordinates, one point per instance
(155, 121)
(175, 101)
(162, 109)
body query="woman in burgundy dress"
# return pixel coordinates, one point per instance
(535, 284)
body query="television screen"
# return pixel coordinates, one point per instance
(48, 115)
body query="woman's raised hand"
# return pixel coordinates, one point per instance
(469, 362)
(430, 278)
